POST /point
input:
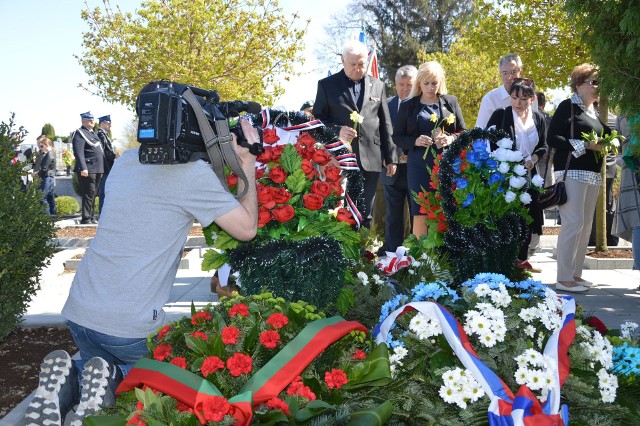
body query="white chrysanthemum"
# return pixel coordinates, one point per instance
(534, 357)
(400, 351)
(520, 170)
(482, 290)
(501, 298)
(448, 394)
(530, 330)
(488, 339)
(377, 280)
(480, 324)
(363, 278)
(509, 196)
(527, 314)
(608, 384)
(627, 328)
(521, 375)
(536, 379)
(525, 198)
(424, 327)
(583, 331)
(474, 393)
(537, 181)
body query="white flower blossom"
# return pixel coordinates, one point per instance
(505, 143)
(517, 182)
(627, 328)
(520, 170)
(509, 196)
(504, 167)
(538, 181)
(515, 156)
(525, 198)
(363, 278)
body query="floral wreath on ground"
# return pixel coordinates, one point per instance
(304, 233)
(242, 342)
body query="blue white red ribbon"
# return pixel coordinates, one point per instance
(505, 409)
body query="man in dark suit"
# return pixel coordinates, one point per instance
(349, 91)
(396, 191)
(87, 149)
(109, 150)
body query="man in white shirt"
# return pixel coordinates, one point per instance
(510, 66)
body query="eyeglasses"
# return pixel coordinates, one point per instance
(512, 72)
(591, 82)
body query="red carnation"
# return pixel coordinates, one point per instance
(277, 320)
(215, 408)
(281, 195)
(321, 188)
(162, 351)
(278, 404)
(312, 201)
(308, 169)
(269, 136)
(183, 408)
(345, 215)
(200, 317)
(270, 339)
(298, 388)
(239, 364)
(232, 180)
(264, 216)
(179, 361)
(276, 152)
(163, 332)
(595, 322)
(136, 420)
(239, 309)
(200, 335)
(335, 379)
(277, 174)
(211, 365)
(332, 173)
(139, 406)
(265, 196)
(359, 355)
(321, 156)
(306, 139)
(283, 213)
(230, 335)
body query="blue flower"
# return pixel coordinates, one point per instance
(491, 163)
(496, 177)
(433, 291)
(461, 183)
(480, 145)
(484, 156)
(468, 201)
(456, 165)
(390, 306)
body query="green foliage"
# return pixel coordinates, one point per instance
(48, 131)
(240, 48)
(66, 205)
(538, 30)
(402, 30)
(25, 230)
(611, 32)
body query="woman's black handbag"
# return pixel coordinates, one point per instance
(556, 194)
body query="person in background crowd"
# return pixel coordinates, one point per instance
(87, 149)
(626, 222)
(397, 197)
(574, 117)
(47, 173)
(307, 109)
(109, 150)
(352, 90)
(510, 67)
(420, 136)
(528, 129)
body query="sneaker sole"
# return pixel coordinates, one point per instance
(44, 408)
(92, 390)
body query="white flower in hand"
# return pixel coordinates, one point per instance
(537, 180)
(615, 142)
(525, 198)
(509, 196)
(520, 170)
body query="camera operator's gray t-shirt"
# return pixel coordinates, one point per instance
(126, 274)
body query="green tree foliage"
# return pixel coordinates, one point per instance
(611, 30)
(538, 30)
(403, 29)
(48, 131)
(239, 47)
(465, 79)
(25, 230)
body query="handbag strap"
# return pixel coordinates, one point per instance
(553, 151)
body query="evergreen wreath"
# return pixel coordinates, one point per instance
(484, 249)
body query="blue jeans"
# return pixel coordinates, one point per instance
(120, 351)
(48, 199)
(635, 246)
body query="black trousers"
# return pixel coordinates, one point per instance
(396, 197)
(89, 189)
(370, 186)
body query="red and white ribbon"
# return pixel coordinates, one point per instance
(393, 262)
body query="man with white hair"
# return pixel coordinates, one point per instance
(510, 66)
(352, 90)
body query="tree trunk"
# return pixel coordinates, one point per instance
(601, 205)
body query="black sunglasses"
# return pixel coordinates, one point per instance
(591, 82)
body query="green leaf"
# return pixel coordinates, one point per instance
(226, 241)
(213, 260)
(290, 160)
(374, 417)
(297, 181)
(312, 409)
(345, 300)
(440, 360)
(376, 371)
(115, 420)
(196, 344)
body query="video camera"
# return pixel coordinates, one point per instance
(168, 129)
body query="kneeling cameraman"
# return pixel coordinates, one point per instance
(126, 275)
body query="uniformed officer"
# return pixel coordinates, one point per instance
(109, 150)
(87, 149)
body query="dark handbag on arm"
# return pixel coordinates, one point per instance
(556, 194)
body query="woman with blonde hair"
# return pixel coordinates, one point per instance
(428, 122)
(47, 173)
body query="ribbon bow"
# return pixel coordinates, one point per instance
(393, 262)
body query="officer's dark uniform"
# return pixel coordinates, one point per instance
(109, 157)
(87, 149)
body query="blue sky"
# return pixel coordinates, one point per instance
(40, 76)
